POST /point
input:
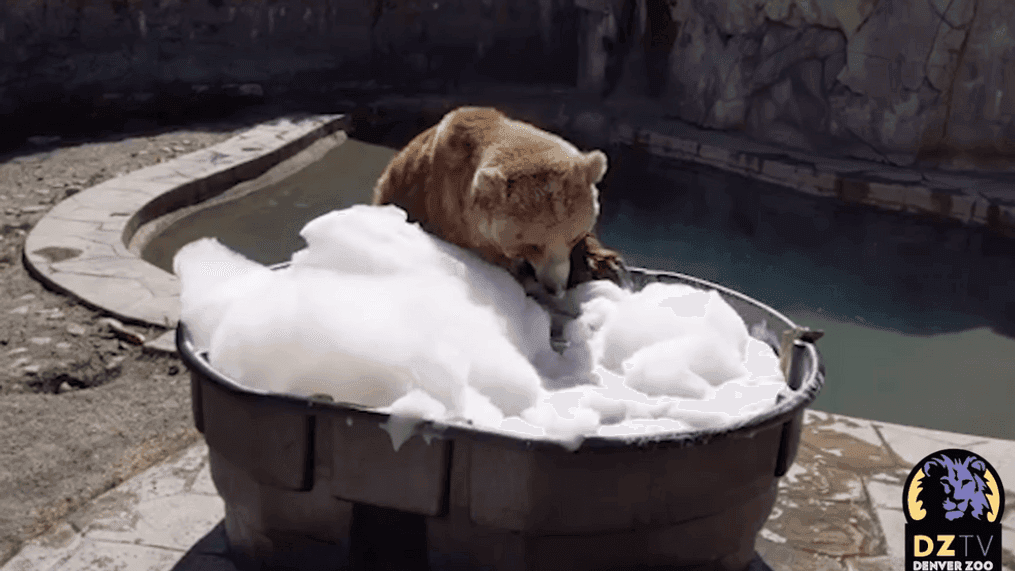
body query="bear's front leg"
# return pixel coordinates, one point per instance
(590, 261)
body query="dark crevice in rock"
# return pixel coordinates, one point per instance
(874, 9)
(948, 99)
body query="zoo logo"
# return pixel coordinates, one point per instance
(953, 501)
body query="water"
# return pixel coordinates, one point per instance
(265, 225)
(914, 312)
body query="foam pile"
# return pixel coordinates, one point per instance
(379, 313)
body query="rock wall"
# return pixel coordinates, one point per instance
(897, 80)
(56, 50)
(890, 80)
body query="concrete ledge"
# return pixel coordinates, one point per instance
(80, 246)
(951, 197)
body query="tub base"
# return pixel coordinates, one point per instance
(272, 528)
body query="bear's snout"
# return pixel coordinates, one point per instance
(553, 273)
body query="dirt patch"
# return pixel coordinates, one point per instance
(82, 408)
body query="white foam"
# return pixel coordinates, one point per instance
(379, 313)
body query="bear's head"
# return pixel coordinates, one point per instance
(535, 206)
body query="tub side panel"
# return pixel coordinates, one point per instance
(365, 468)
(722, 541)
(263, 521)
(545, 491)
(267, 439)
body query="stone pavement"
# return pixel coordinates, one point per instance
(839, 507)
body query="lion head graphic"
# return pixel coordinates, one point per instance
(954, 488)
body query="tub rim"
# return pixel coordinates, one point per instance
(790, 403)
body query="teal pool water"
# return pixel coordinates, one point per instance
(918, 316)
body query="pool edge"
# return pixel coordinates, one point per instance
(80, 247)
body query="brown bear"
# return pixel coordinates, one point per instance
(520, 197)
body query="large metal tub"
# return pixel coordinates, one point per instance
(317, 484)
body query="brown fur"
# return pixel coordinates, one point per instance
(507, 191)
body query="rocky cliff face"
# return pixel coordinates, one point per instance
(901, 78)
(889, 80)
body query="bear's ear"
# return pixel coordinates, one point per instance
(595, 166)
(488, 182)
(458, 129)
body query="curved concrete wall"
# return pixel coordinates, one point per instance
(889, 80)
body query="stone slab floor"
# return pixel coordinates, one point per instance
(839, 507)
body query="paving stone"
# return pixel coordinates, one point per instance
(1008, 545)
(211, 553)
(221, 158)
(48, 246)
(811, 477)
(140, 182)
(163, 344)
(162, 310)
(132, 182)
(203, 484)
(68, 225)
(105, 265)
(34, 209)
(912, 444)
(114, 227)
(112, 198)
(47, 551)
(893, 526)
(166, 479)
(174, 522)
(881, 563)
(197, 165)
(885, 495)
(855, 427)
(161, 283)
(102, 291)
(118, 557)
(834, 529)
(844, 451)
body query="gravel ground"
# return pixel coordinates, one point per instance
(80, 409)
